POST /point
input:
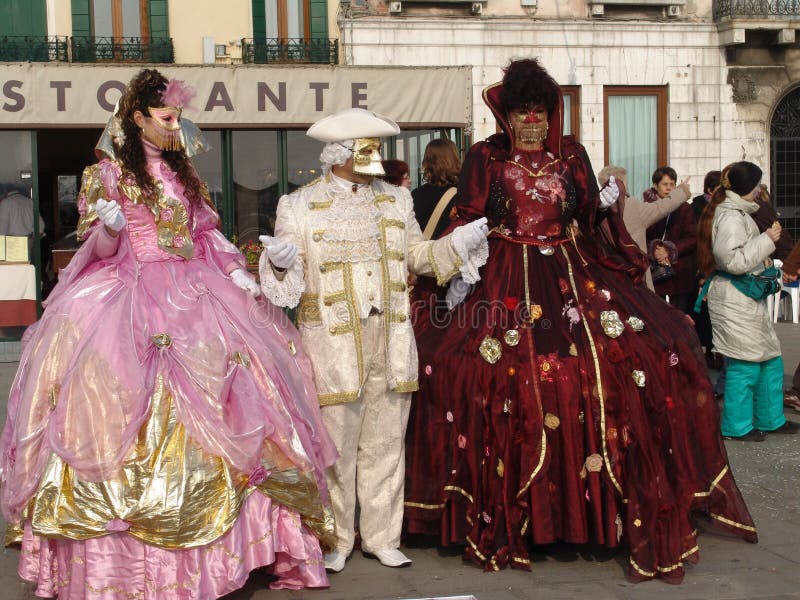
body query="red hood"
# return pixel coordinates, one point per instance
(555, 120)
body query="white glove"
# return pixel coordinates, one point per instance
(280, 254)
(110, 214)
(609, 194)
(472, 234)
(244, 280)
(456, 292)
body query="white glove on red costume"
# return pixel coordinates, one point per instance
(609, 194)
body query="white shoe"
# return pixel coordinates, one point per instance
(334, 561)
(392, 557)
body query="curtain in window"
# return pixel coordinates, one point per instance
(633, 138)
(567, 115)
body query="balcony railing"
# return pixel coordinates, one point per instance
(755, 9)
(33, 48)
(273, 50)
(103, 49)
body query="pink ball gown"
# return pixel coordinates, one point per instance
(163, 435)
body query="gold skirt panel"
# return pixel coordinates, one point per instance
(169, 492)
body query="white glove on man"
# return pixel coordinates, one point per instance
(609, 194)
(110, 214)
(281, 254)
(472, 234)
(456, 292)
(245, 281)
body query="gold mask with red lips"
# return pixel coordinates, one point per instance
(166, 130)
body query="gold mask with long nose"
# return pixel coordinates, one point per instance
(367, 156)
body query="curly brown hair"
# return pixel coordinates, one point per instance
(526, 82)
(144, 91)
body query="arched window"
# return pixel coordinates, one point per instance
(785, 160)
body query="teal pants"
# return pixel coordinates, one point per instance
(753, 396)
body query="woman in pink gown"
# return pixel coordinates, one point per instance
(163, 436)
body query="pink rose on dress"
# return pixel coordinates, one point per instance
(449, 417)
(462, 441)
(257, 475)
(673, 359)
(605, 295)
(167, 214)
(428, 369)
(178, 241)
(117, 525)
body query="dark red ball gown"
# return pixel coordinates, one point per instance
(562, 401)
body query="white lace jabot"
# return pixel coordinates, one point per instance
(351, 223)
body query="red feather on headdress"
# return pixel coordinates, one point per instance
(177, 93)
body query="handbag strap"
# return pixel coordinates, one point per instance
(698, 305)
(666, 226)
(436, 215)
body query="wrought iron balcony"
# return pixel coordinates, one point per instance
(104, 49)
(756, 9)
(274, 50)
(33, 48)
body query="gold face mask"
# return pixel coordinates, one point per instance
(166, 127)
(529, 123)
(367, 156)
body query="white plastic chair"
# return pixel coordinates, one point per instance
(791, 290)
(774, 301)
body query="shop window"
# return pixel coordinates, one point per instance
(209, 166)
(409, 146)
(635, 119)
(256, 177)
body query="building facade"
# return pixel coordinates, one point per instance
(264, 70)
(695, 84)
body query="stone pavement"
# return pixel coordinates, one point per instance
(767, 473)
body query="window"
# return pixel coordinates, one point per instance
(119, 18)
(287, 19)
(409, 146)
(209, 166)
(572, 110)
(635, 119)
(256, 174)
(290, 19)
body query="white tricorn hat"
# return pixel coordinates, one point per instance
(352, 123)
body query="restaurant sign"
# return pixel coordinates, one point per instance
(61, 95)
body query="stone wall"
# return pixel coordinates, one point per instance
(706, 128)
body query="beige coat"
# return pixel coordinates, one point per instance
(741, 326)
(331, 307)
(638, 216)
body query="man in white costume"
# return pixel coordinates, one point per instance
(343, 248)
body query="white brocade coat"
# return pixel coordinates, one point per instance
(333, 295)
(741, 327)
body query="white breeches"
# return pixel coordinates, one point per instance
(370, 436)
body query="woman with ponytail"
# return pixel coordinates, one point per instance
(729, 249)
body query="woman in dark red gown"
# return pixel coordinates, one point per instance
(562, 401)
